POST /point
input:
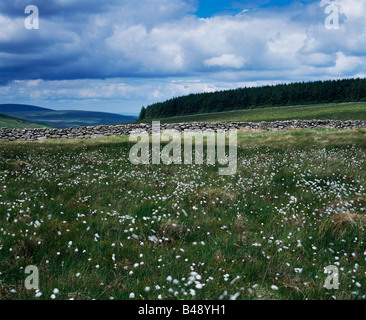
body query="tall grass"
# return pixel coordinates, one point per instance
(98, 227)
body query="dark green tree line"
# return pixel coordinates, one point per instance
(302, 93)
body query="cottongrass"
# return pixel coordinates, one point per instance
(99, 228)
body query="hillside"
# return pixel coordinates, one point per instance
(340, 111)
(63, 118)
(10, 108)
(11, 122)
(319, 92)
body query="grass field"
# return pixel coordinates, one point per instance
(343, 111)
(98, 227)
(10, 122)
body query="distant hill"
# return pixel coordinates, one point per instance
(11, 122)
(63, 118)
(20, 108)
(309, 93)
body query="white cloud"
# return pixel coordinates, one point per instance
(226, 61)
(346, 64)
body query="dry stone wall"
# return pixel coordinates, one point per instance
(126, 129)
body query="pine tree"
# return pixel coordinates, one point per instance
(142, 114)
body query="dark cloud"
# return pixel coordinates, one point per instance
(158, 39)
(58, 8)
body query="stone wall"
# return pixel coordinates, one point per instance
(116, 130)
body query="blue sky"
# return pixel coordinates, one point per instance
(120, 55)
(209, 8)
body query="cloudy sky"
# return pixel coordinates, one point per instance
(120, 55)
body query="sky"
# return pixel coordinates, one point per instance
(120, 55)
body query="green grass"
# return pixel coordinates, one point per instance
(10, 122)
(87, 218)
(343, 111)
